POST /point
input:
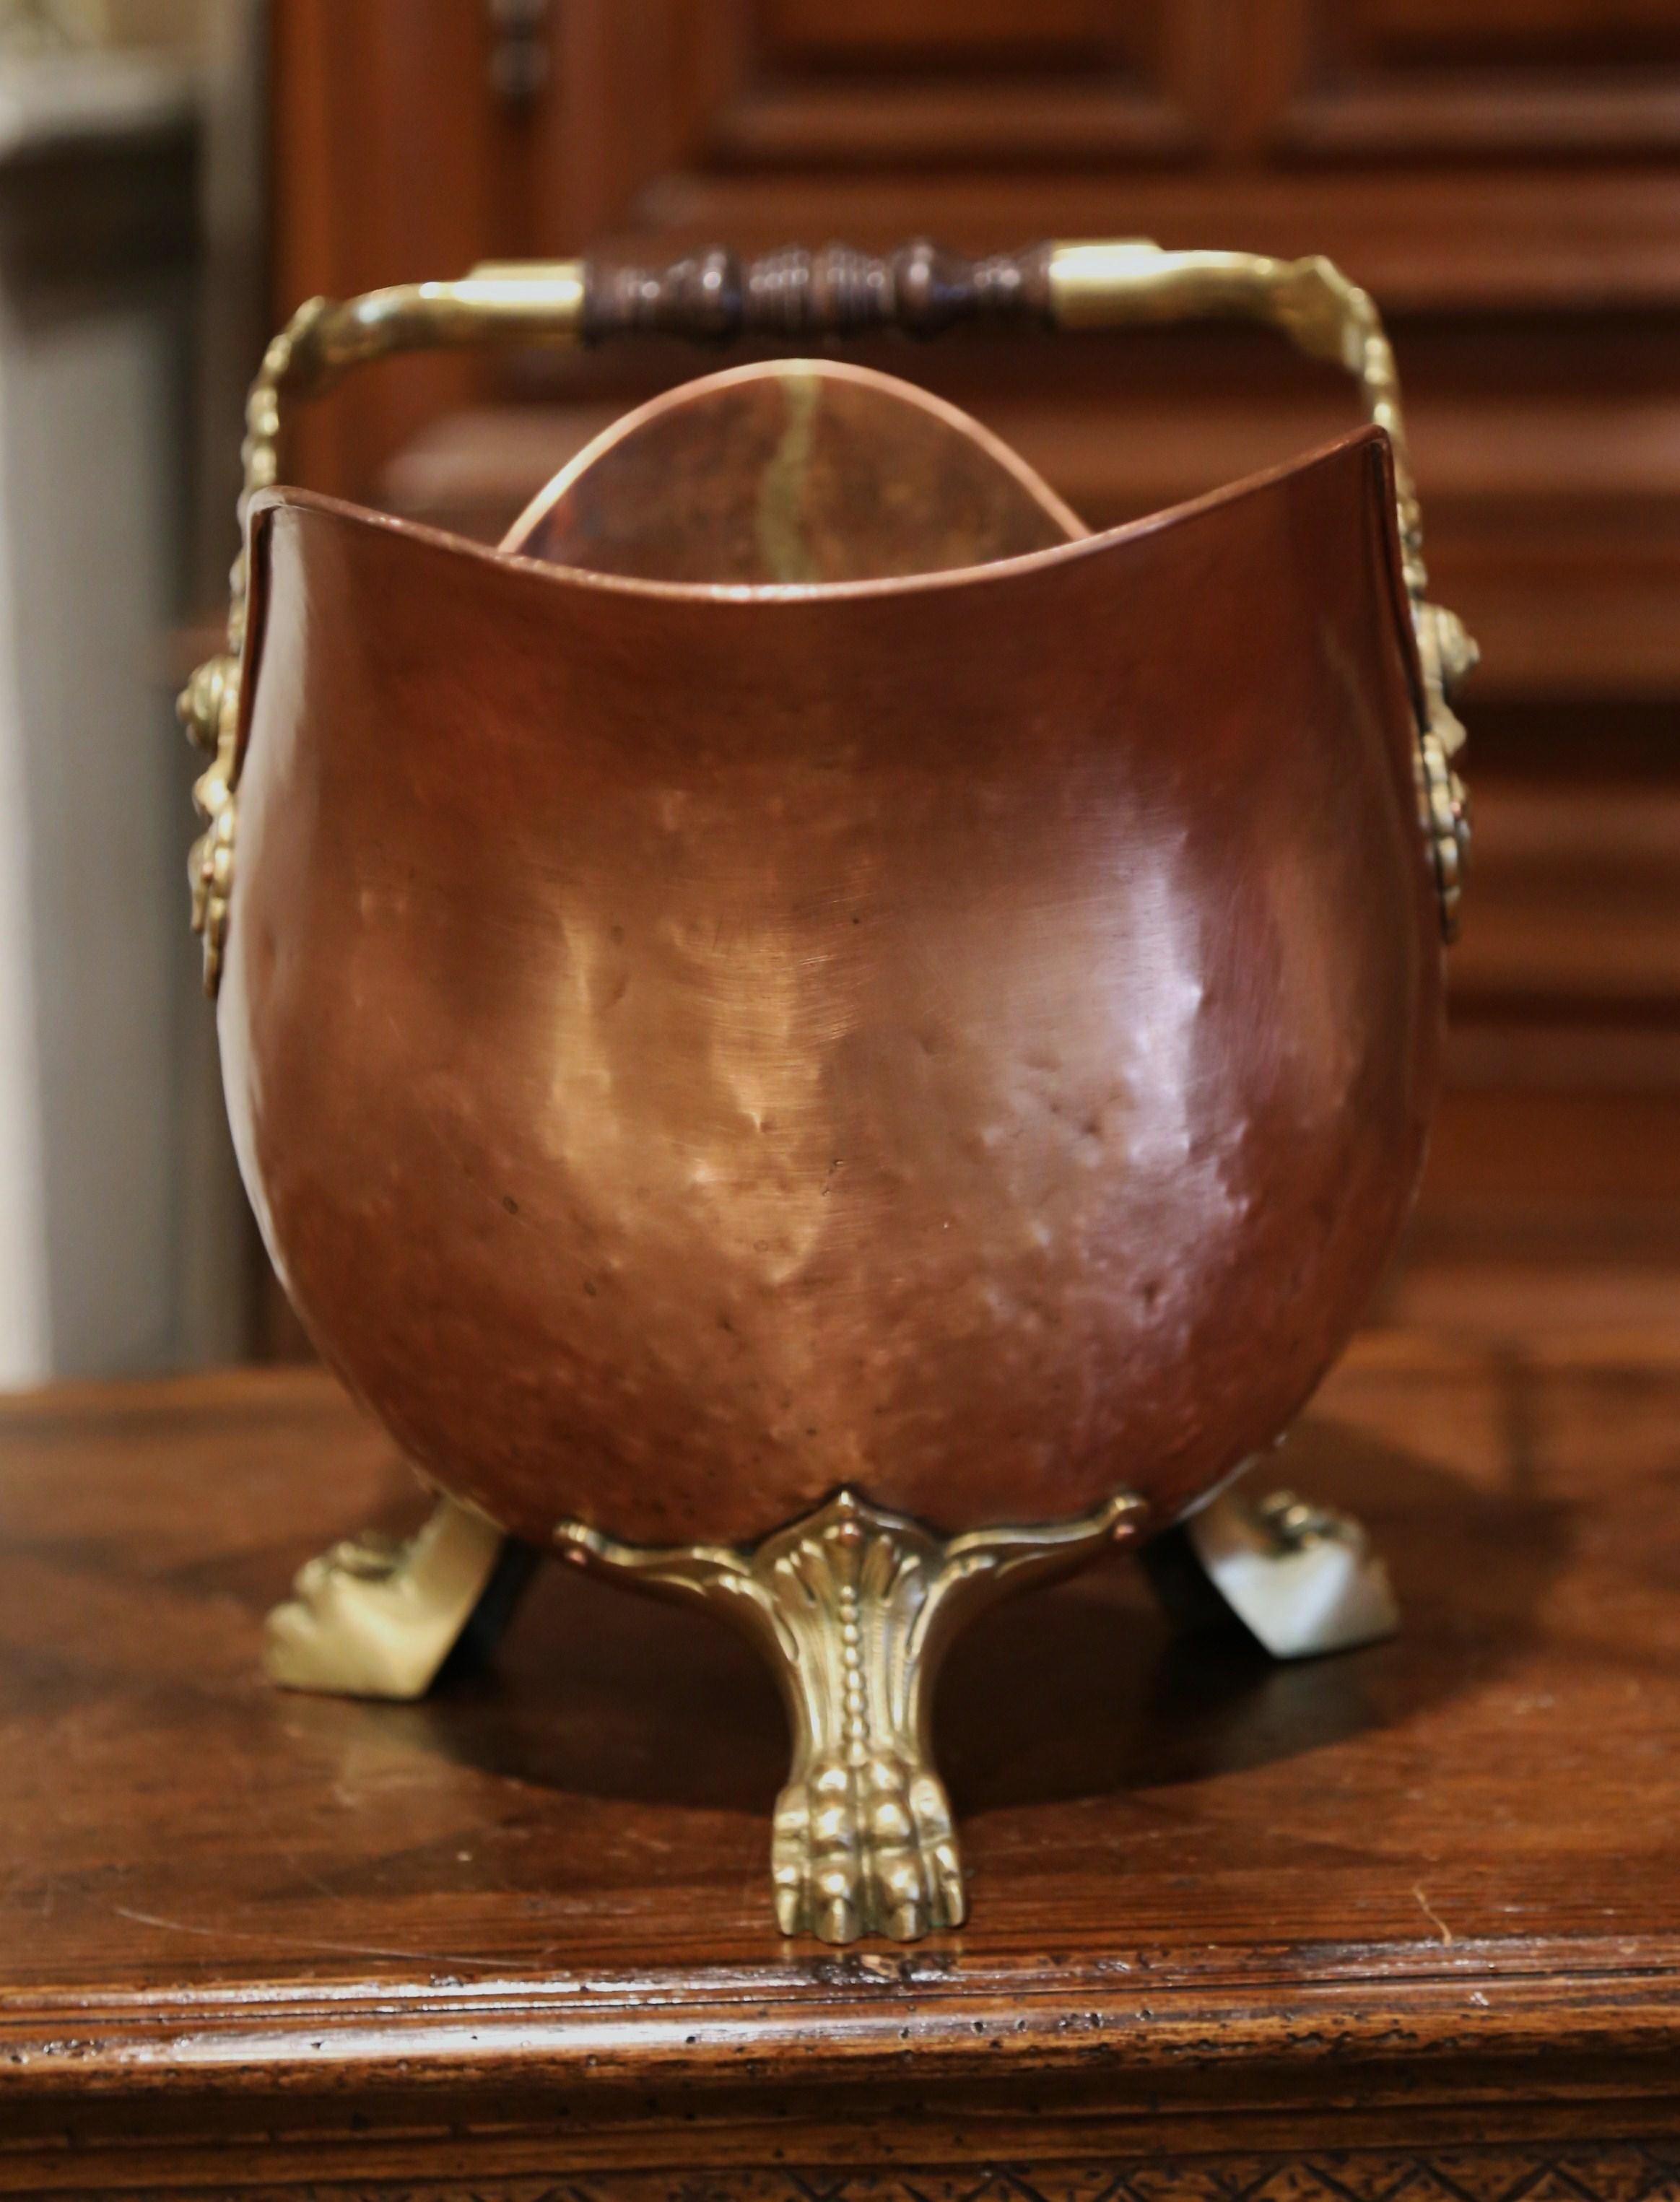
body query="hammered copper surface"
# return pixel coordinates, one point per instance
(970, 1037)
(791, 471)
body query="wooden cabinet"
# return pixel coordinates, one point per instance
(1395, 1927)
(1503, 175)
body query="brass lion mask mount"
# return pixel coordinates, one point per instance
(810, 1036)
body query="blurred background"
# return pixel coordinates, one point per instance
(175, 175)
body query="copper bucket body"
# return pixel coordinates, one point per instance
(808, 1034)
(967, 1036)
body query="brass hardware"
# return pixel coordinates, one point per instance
(854, 1608)
(209, 709)
(376, 1618)
(1455, 653)
(541, 303)
(1116, 286)
(1304, 1579)
(1448, 656)
(1105, 287)
(1444, 810)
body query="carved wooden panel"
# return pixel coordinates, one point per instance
(782, 87)
(857, 82)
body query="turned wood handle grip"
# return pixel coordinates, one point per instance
(716, 297)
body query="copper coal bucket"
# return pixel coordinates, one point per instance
(808, 1034)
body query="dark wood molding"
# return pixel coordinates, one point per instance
(1455, 116)
(1621, 2172)
(917, 127)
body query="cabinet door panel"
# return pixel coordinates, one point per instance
(915, 83)
(1412, 78)
(948, 30)
(1514, 33)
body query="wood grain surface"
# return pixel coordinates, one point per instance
(1402, 1924)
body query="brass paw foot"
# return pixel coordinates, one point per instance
(866, 1848)
(376, 1617)
(854, 1607)
(1304, 1580)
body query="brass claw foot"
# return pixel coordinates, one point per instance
(377, 1616)
(1303, 1579)
(866, 1849)
(854, 1608)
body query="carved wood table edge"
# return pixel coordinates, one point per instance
(1061, 2049)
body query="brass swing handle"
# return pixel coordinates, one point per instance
(794, 294)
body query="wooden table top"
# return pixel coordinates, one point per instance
(1424, 1896)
